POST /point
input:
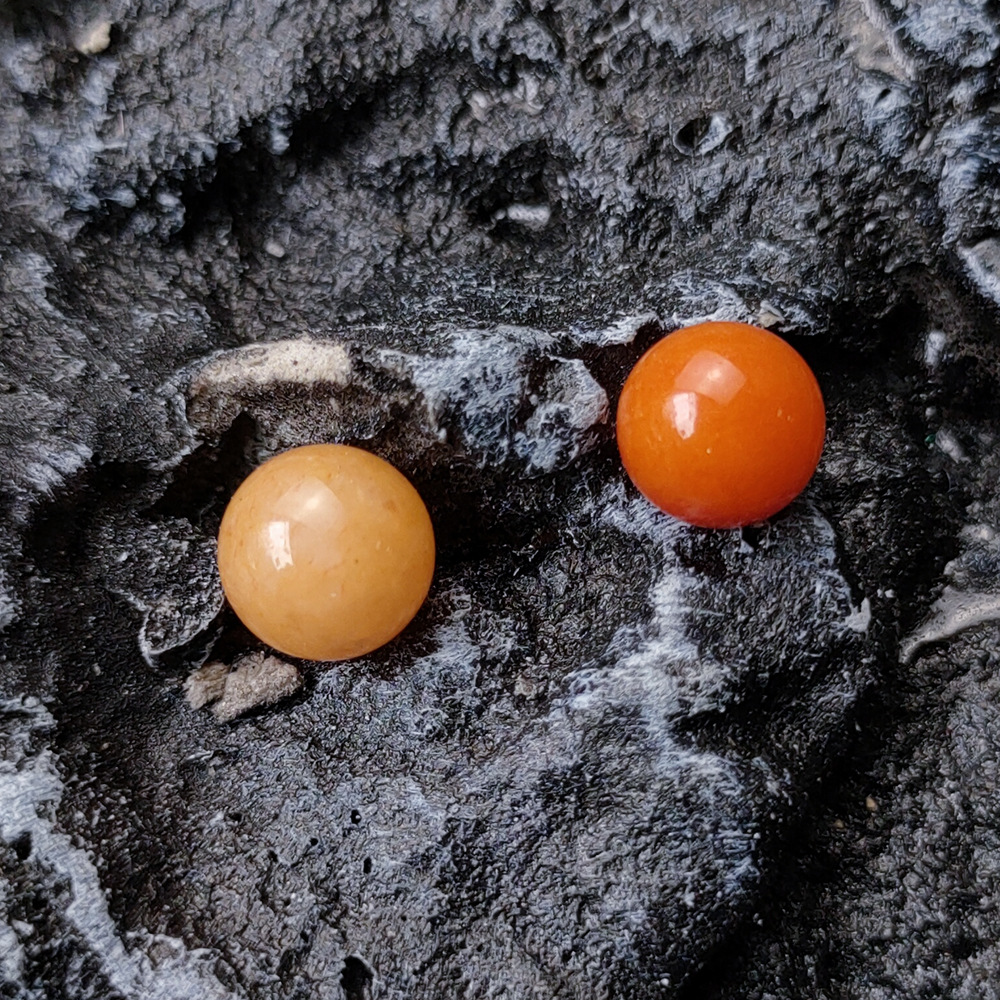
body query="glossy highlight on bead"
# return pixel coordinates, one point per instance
(326, 552)
(721, 424)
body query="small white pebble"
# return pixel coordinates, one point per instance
(274, 248)
(525, 686)
(93, 38)
(769, 315)
(531, 216)
(950, 445)
(934, 345)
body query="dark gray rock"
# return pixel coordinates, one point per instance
(613, 756)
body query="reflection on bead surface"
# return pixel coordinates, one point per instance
(326, 552)
(721, 424)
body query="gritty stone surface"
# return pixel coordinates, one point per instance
(613, 756)
(253, 681)
(206, 684)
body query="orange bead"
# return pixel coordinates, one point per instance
(721, 424)
(326, 552)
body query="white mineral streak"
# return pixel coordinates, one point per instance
(950, 445)
(621, 331)
(482, 369)
(876, 46)
(260, 365)
(934, 345)
(485, 373)
(168, 622)
(658, 668)
(701, 300)
(530, 216)
(982, 261)
(8, 603)
(11, 952)
(955, 29)
(953, 612)
(860, 618)
(570, 403)
(698, 300)
(30, 791)
(56, 461)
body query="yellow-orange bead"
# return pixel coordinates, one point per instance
(326, 552)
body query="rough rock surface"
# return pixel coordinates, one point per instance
(613, 756)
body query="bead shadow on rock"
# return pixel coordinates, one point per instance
(590, 764)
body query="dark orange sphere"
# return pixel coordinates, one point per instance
(721, 424)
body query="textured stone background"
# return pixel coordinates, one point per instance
(614, 756)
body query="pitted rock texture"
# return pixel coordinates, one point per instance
(613, 756)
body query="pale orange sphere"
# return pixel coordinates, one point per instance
(326, 552)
